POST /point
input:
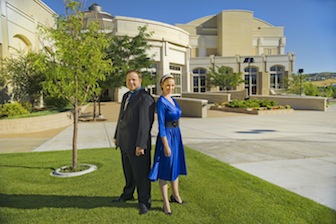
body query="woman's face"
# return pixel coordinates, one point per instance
(168, 86)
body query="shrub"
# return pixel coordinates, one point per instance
(28, 106)
(266, 103)
(56, 103)
(253, 103)
(12, 109)
(269, 107)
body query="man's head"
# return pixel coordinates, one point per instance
(133, 80)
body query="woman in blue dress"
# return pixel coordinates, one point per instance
(169, 157)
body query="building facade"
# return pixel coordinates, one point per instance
(19, 21)
(170, 50)
(248, 45)
(232, 38)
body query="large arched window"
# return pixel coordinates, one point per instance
(277, 77)
(199, 80)
(22, 43)
(251, 82)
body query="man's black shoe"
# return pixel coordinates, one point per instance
(122, 199)
(143, 209)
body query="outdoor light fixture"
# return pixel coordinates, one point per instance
(249, 60)
(301, 70)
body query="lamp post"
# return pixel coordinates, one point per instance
(300, 72)
(249, 61)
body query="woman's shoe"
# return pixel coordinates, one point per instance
(173, 199)
(167, 213)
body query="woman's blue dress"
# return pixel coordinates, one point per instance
(168, 168)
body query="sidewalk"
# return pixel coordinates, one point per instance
(296, 151)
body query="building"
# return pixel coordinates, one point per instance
(170, 48)
(248, 45)
(232, 38)
(19, 23)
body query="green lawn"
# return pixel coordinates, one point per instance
(215, 192)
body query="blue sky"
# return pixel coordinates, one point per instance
(310, 25)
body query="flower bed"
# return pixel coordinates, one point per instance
(259, 111)
(255, 107)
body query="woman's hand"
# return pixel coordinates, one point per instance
(167, 151)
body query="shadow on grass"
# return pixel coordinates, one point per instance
(60, 201)
(30, 167)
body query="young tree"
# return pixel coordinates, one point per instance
(129, 53)
(296, 84)
(78, 63)
(223, 77)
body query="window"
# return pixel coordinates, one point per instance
(251, 80)
(199, 80)
(277, 77)
(152, 89)
(176, 71)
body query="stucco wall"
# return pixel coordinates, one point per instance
(191, 107)
(297, 102)
(35, 124)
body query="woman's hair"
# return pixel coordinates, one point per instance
(167, 76)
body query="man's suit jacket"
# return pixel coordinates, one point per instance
(135, 123)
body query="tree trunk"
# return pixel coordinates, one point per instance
(94, 108)
(74, 139)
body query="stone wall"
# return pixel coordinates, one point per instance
(210, 97)
(35, 124)
(217, 97)
(191, 107)
(298, 102)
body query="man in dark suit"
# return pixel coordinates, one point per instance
(133, 137)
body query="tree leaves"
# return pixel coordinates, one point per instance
(224, 77)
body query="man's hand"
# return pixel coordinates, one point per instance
(139, 151)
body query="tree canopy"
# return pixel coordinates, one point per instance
(223, 77)
(129, 53)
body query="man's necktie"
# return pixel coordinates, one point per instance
(127, 100)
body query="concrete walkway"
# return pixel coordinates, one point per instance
(296, 151)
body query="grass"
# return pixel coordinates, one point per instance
(34, 114)
(215, 192)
